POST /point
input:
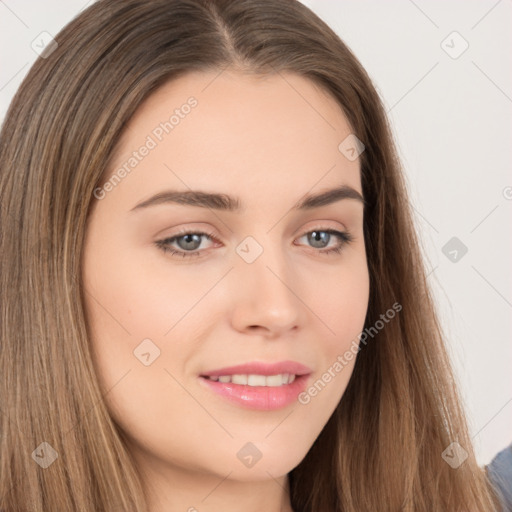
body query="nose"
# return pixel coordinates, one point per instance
(265, 295)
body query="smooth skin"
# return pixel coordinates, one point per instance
(270, 141)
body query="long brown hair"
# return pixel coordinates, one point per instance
(382, 447)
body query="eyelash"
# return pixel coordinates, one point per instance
(344, 236)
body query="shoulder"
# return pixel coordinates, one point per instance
(499, 471)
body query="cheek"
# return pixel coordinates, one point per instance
(341, 308)
(129, 313)
(339, 299)
(348, 304)
(131, 297)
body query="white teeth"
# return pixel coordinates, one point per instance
(239, 379)
(275, 380)
(257, 380)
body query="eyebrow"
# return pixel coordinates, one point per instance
(218, 201)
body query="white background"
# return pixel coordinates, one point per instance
(452, 122)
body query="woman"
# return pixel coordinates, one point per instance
(213, 296)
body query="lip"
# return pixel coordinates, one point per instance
(263, 398)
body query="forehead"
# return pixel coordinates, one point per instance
(236, 132)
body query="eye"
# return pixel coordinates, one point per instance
(320, 236)
(188, 242)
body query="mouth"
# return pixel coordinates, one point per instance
(257, 391)
(254, 380)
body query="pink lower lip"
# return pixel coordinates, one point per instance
(263, 398)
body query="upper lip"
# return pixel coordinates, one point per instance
(260, 368)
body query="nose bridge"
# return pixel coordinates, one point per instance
(261, 259)
(265, 295)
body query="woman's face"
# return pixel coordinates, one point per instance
(260, 288)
